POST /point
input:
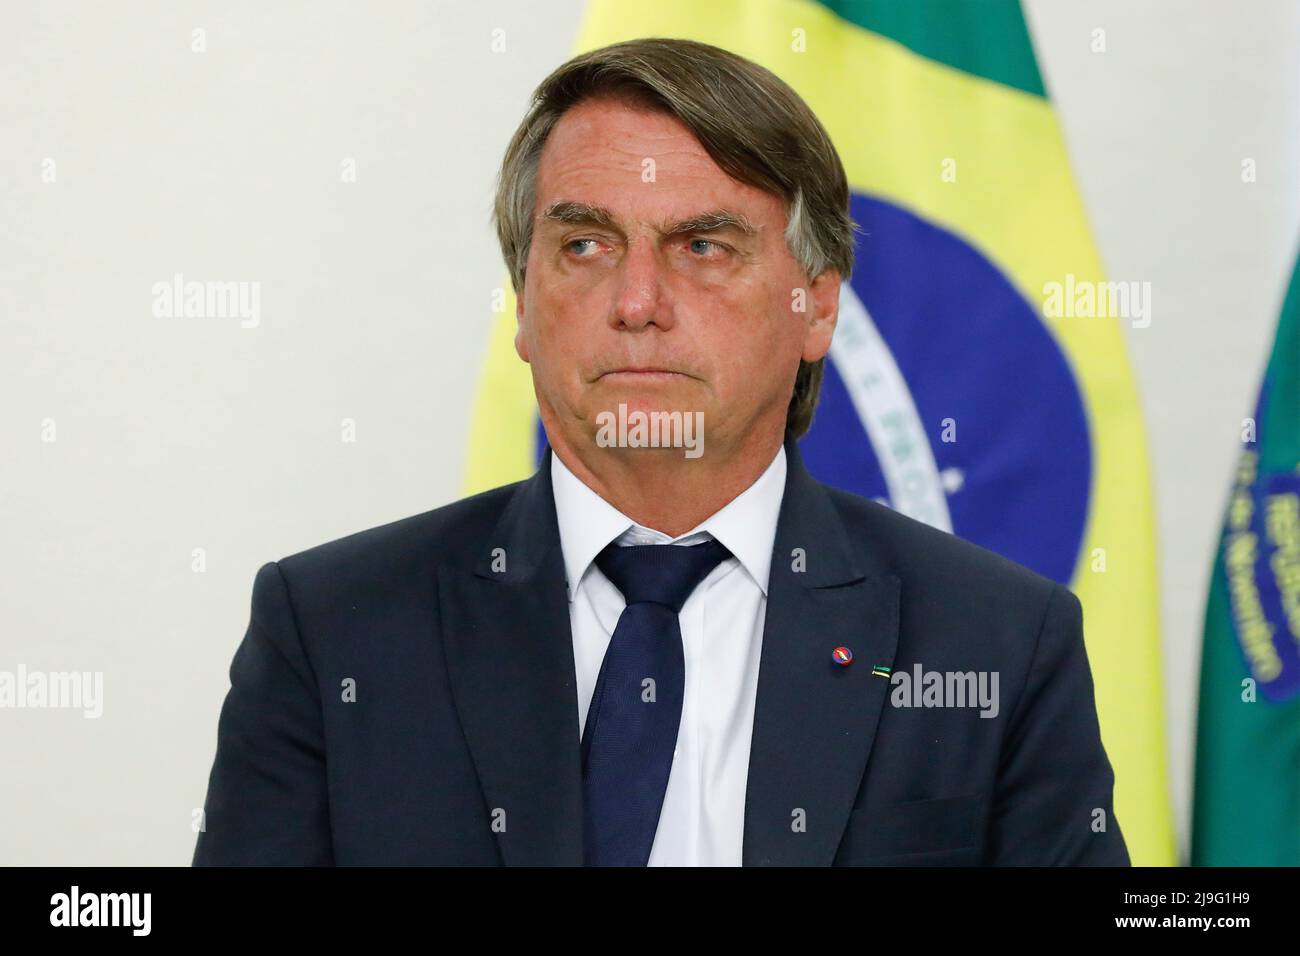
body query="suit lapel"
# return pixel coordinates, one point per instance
(814, 720)
(509, 653)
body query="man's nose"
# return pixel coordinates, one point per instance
(643, 297)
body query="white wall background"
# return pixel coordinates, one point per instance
(181, 434)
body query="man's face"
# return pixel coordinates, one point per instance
(657, 281)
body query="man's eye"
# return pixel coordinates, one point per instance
(705, 247)
(580, 252)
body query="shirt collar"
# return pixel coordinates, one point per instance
(746, 525)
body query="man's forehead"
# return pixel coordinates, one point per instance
(660, 173)
(610, 118)
(603, 137)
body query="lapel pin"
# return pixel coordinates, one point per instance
(880, 671)
(842, 656)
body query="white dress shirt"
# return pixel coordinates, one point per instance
(703, 817)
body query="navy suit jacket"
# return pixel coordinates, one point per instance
(399, 699)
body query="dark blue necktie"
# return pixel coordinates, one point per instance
(631, 728)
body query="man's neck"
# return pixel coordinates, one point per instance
(660, 489)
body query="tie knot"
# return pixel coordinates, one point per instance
(660, 573)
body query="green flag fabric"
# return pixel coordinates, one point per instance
(1246, 809)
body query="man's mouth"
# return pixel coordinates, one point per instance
(644, 373)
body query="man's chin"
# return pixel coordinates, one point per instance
(647, 420)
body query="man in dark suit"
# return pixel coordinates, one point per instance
(659, 649)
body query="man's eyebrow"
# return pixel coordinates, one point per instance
(580, 213)
(710, 221)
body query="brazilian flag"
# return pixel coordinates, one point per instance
(1246, 810)
(952, 393)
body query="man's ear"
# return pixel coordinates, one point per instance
(824, 312)
(521, 343)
